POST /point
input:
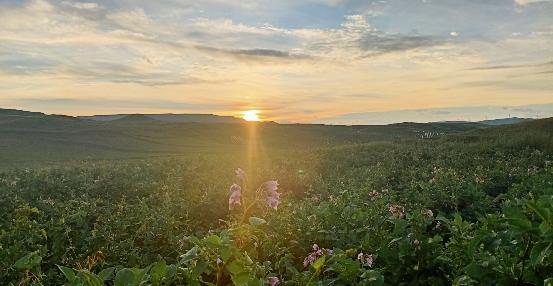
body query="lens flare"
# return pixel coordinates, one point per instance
(250, 115)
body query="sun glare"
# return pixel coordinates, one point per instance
(250, 115)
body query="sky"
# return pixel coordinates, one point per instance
(310, 61)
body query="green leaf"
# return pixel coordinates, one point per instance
(548, 282)
(543, 213)
(90, 279)
(140, 275)
(373, 277)
(318, 264)
(171, 271)
(213, 241)
(248, 259)
(545, 229)
(463, 280)
(157, 272)
(346, 268)
(475, 271)
(255, 221)
(28, 261)
(235, 267)
(68, 273)
(23, 262)
(106, 274)
(201, 266)
(241, 278)
(539, 252)
(226, 252)
(189, 255)
(518, 220)
(124, 277)
(194, 240)
(475, 243)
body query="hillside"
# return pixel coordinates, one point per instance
(18, 113)
(31, 137)
(135, 118)
(182, 118)
(505, 121)
(35, 137)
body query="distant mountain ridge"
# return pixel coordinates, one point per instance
(495, 122)
(168, 117)
(201, 118)
(17, 112)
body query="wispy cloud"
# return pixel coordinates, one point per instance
(262, 55)
(526, 2)
(334, 56)
(473, 113)
(358, 35)
(127, 105)
(514, 66)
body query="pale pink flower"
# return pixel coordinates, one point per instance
(235, 188)
(240, 174)
(396, 210)
(273, 202)
(273, 198)
(374, 195)
(427, 213)
(317, 252)
(274, 194)
(271, 186)
(365, 259)
(273, 281)
(309, 259)
(235, 194)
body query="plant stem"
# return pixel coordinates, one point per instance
(247, 209)
(523, 260)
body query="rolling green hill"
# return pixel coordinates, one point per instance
(28, 137)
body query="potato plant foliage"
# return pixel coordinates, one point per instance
(470, 209)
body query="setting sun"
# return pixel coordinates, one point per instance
(250, 115)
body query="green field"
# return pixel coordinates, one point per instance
(31, 138)
(147, 203)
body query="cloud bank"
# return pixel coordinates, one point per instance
(293, 60)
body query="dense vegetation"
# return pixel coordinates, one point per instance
(475, 208)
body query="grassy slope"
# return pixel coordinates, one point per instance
(34, 137)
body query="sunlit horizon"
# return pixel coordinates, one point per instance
(251, 115)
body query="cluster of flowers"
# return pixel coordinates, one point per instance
(374, 195)
(235, 195)
(316, 253)
(273, 281)
(365, 259)
(272, 199)
(427, 213)
(396, 211)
